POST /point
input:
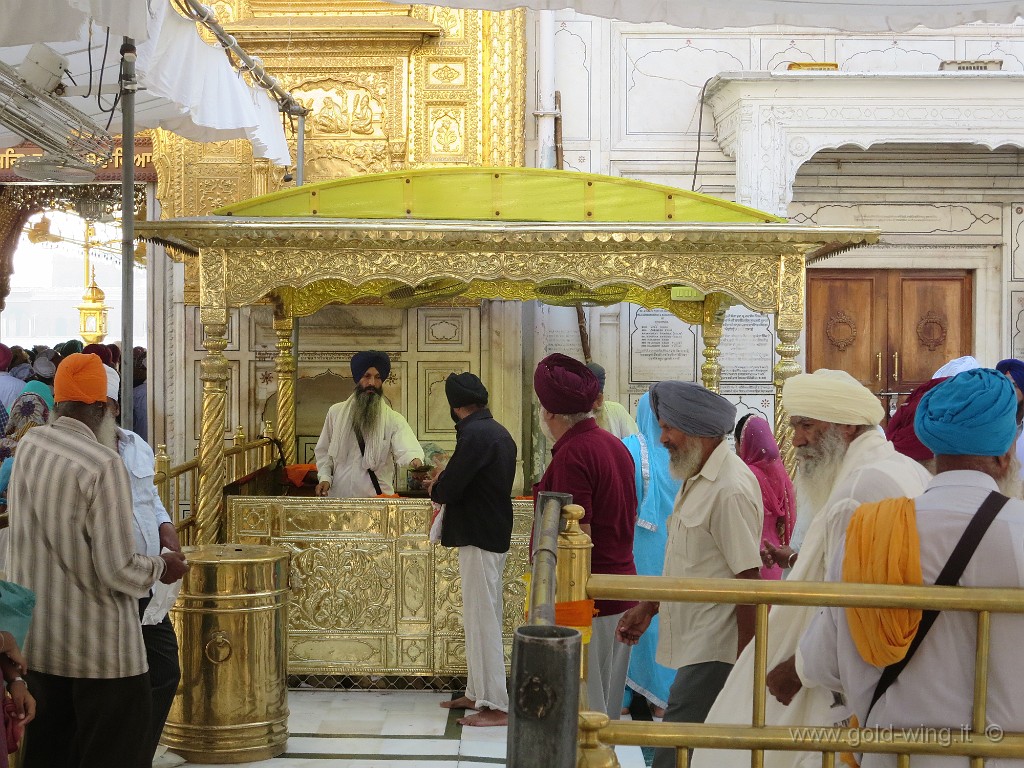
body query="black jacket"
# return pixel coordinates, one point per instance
(476, 486)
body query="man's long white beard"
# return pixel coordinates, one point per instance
(546, 431)
(106, 432)
(366, 410)
(1011, 484)
(684, 461)
(818, 468)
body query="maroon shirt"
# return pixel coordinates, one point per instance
(597, 469)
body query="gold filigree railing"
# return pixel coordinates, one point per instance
(975, 742)
(178, 486)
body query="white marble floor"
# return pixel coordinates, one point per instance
(389, 729)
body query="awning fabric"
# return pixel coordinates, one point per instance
(186, 85)
(858, 16)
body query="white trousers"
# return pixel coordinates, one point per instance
(607, 664)
(481, 574)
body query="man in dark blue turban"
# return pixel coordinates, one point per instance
(363, 438)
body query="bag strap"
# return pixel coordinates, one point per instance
(949, 577)
(370, 472)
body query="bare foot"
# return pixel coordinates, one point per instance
(485, 717)
(460, 703)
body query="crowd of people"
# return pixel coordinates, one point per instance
(95, 681)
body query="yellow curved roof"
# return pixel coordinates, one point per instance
(497, 194)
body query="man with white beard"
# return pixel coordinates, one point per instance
(363, 438)
(71, 543)
(713, 532)
(969, 423)
(844, 461)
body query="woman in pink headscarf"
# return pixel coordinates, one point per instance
(756, 445)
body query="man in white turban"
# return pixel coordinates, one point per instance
(843, 461)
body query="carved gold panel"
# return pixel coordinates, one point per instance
(370, 594)
(388, 87)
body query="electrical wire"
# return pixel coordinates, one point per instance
(700, 123)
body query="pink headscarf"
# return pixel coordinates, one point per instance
(760, 452)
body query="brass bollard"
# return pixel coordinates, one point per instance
(592, 753)
(231, 705)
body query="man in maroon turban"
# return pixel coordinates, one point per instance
(596, 468)
(900, 429)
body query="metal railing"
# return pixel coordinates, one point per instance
(178, 486)
(597, 731)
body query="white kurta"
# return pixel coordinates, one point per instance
(936, 687)
(871, 471)
(616, 419)
(338, 459)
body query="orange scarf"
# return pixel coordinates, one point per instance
(882, 547)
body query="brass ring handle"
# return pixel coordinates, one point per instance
(878, 360)
(218, 647)
(895, 366)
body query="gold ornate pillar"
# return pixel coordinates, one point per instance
(789, 322)
(214, 373)
(285, 366)
(711, 330)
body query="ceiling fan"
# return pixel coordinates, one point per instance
(75, 147)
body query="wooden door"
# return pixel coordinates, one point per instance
(847, 325)
(930, 323)
(889, 329)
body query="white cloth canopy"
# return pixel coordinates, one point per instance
(848, 15)
(186, 85)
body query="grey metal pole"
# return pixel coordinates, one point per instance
(545, 692)
(544, 698)
(129, 84)
(545, 556)
(300, 151)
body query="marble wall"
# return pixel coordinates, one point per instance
(633, 105)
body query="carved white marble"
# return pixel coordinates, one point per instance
(773, 122)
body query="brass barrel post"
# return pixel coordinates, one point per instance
(238, 460)
(232, 620)
(268, 449)
(162, 468)
(573, 570)
(547, 522)
(594, 754)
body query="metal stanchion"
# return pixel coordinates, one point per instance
(544, 696)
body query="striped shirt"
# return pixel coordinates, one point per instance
(72, 544)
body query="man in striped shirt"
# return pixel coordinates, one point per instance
(72, 543)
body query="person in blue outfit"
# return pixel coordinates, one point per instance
(656, 489)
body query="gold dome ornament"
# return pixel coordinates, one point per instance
(92, 313)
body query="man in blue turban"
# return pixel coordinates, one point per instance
(969, 422)
(363, 438)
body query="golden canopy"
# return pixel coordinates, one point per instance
(444, 234)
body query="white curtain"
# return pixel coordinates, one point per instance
(859, 16)
(187, 85)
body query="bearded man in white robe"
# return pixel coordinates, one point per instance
(363, 438)
(843, 462)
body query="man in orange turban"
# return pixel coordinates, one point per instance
(80, 379)
(72, 544)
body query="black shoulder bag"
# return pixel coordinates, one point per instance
(370, 472)
(949, 577)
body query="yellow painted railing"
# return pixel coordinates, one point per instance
(596, 730)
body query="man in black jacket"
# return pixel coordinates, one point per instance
(476, 490)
